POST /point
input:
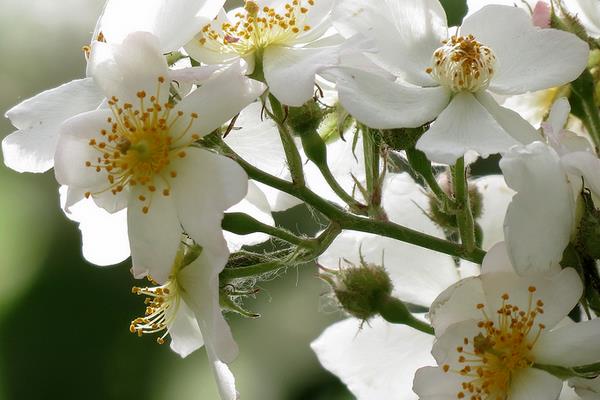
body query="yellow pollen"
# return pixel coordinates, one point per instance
(162, 303)
(255, 28)
(500, 350)
(463, 64)
(139, 145)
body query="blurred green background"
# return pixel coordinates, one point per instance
(64, 324)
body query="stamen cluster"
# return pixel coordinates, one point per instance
(257, 28)
(502, 348)
(162, 302)
(139, 144)
(462, 63)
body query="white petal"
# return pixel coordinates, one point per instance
(122, 70)
(223, 377)
(200, 281)
(511, 122)
(586, 165)
(256, 205)
(154, 237)
(406, 33)
(381, 103)
(559, 292)
(496, 196)
(464, 125)
(73, 150)
(445, 347)
(589, 14)
(527, 58)
(377, 361)
(184, 331)
(431, 383)
(156, 16)
(278, 201)
(235, 91)
(533, 383)
(588, 389)
(257, 141)
(104, 235)
(206, 185)
(497, 260)
(290, 71)
(540, 217)
(570, 346)
(32, 147)
(559, 114)
(456, 303)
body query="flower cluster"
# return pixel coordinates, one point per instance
(194, 123)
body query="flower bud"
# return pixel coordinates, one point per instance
(402, 138)
(588, 236)
(447, 220)
(305, 119)
(361, 290)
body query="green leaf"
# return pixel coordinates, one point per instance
(455, 11)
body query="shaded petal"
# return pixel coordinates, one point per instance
(200, 280)
(406, 33)
(235, 91)
(32, 147)
(559, 292)
(431, 383)
(376, 361)
(496, 196)
(543, 203)
(456, 303)
(73, 150)
(570, 346)
(257, 141)
(464, 125)
(223, 377)
(533, 383)
(382, 103)
(120, 18)
(257, 206)
(586, 165)
(154, 237)
(290, 71)
(515, 125)
(445, 347)
(206, 185)
(528, 58)
(104, 235)
(184, 331)
(588, 389)
(124, 69)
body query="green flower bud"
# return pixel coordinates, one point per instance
(361, 290)
(403, 138)
(588, 236)
(305, 119)
(446, 219)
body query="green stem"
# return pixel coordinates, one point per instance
(355, 222)
(372, 172)
(292, 154)
(466, 223)
(354, 205)
(243, 224)
(593, 119)
(396, 312)
(419, 162)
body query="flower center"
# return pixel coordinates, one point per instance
(499, 351)
(162, 302)
(139, 145)
(462, 63)
(256, 28)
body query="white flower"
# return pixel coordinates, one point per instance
(540, 221)
(492, 331)
(377, 360)
(284, 39)
(138, 153)
(450, 78)
(186, 308)
(587, 389)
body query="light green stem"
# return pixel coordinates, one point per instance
(466, 223)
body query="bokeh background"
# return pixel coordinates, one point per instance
(64, 324)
